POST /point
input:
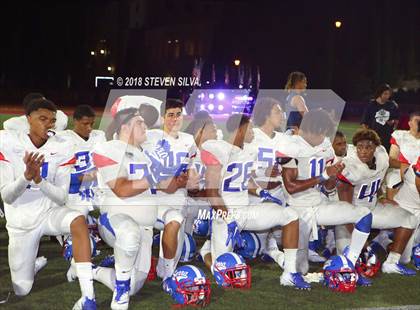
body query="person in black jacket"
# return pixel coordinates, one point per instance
(382, 114)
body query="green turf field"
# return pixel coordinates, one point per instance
(51, 290)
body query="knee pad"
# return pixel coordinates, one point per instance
(129, 240)
(173, 215)
(365, 223)
(22, 287)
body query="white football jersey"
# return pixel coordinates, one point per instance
(311, 162)
(28, 211)
(366, 181)
(408, 144)
(82, 152)
(237, 166)
(408, 196)
(265, 147)
(182, 151)
(117, 159)
(20, 123)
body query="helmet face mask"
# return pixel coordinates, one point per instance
(340, 275)
(188, 286)
(344, 282)
(193, 293)
(235, 277)
(368, 265)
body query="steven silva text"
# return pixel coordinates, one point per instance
(156, 81)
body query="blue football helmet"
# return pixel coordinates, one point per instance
(251, 245)
(340, 274)
(231, 271)
(188, 249)
(188, 286)
(201, 227)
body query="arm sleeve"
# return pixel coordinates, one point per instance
(57, 192)
(10, 188)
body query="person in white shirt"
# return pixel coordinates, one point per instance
(180, 151)
(83, 138)
(128, 209)
(35, 175)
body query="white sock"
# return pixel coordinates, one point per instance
(290, 260)
(84, 273)
(393, 258)
(105, 276)
(122, 274)
(124, 262)
(358, 240)
(169, 266)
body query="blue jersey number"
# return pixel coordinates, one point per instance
(316, 166)
(142, 167)
(83, 161)
(265, 155)
(369, 190)
(241, 172)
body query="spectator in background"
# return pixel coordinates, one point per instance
(295, 103)
(382, 114)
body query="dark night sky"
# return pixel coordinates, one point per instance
(44, 41)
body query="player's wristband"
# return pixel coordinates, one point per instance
(324, 176)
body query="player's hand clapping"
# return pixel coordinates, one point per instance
(33, 162)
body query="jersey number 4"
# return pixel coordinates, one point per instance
(369, 190)
(242, 173)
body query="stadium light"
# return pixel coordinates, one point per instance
(109, 68)
(237, 62)
(220, 107)
(337, 24)
(241, 86)
(210, 107)
(202, 106)
(92, 53)
(211, 96)
(102, 52)
(220, 96)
